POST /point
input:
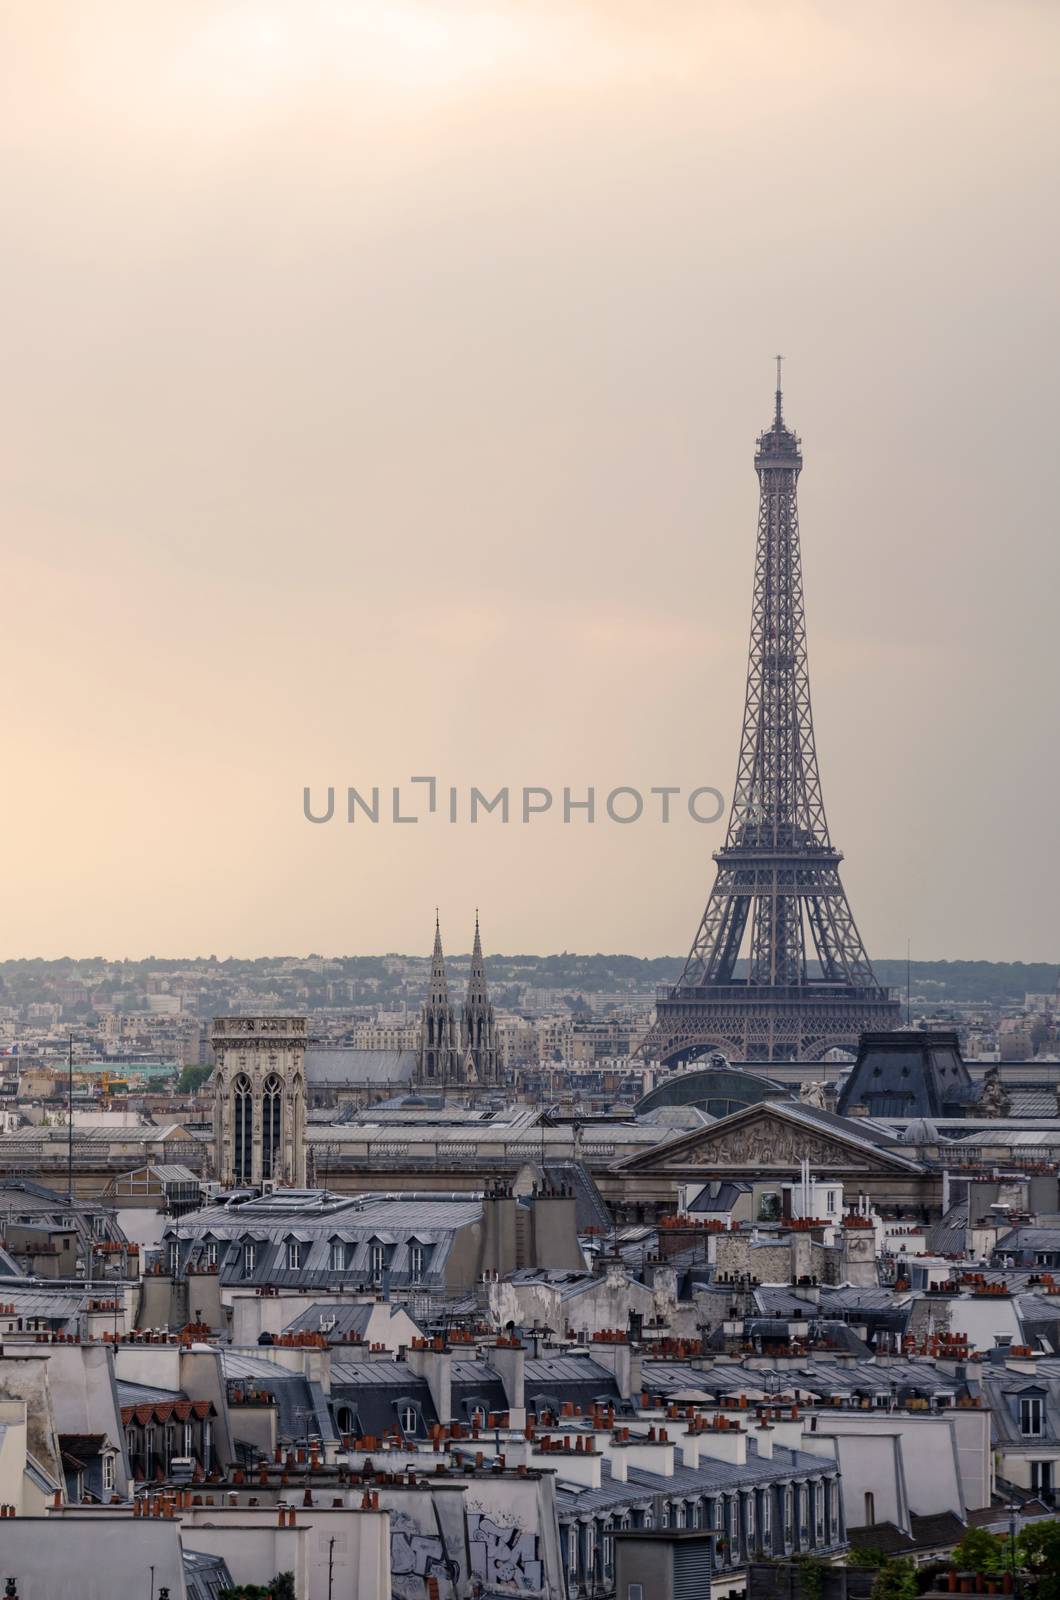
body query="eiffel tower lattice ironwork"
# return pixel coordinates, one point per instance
(777, 890)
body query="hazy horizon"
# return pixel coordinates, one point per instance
(381, 388)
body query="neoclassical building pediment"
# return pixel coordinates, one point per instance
(771, 1138)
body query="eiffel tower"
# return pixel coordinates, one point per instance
(777, 887)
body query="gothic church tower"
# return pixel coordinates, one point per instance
(479, 1031)
(259, 1100)
(440, 1060)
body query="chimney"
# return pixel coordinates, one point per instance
(619, 1357)
(508, 1361)
(436, 1367)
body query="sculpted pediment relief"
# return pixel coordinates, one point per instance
(766, 1142)
(770, 1143)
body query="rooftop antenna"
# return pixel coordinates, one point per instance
(779, 417)
(70, 1120)
(908, 985)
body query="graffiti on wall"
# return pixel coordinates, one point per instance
(417, 1555)
(503, 1557)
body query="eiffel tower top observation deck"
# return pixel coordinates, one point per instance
(777, 898)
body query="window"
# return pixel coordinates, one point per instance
(174, 1255)
(376, 1260)
(294, 1255)
(635, 1591)
(609, 1548)
(408, 1417)
(416, 1262)
(250, 1256)
(749, 1513)
(209, 1253)
(338, 1256)
(188, 1440)
(242, 1129)
(271, 1115)
(818, 1509)
(870, 1509)
(207, 1445)
(831, 1202)
(572, 1550)
(1030, 1415)
(789, 1513)
(766, 1509)
(108, 1473)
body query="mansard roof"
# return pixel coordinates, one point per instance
(910, 1072)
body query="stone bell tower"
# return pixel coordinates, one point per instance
(259, 1100)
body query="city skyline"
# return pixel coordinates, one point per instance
(382, 401)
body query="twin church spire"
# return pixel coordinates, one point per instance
(457, 1049)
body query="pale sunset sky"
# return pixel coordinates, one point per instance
(380, 381)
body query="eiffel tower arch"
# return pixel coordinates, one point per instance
(777, 970)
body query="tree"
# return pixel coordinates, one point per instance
(281, 1588)
(982, 1551)
(192, 1079)
(1038, 1551)
(895, 1579)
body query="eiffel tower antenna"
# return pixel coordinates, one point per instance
(777, 970)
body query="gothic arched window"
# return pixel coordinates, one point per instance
(271, 1124)
(242, 1129)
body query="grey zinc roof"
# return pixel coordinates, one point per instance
(365, 1374)
(1003, 1392)
(301, 1404)
(145, 1394)
(350, 1320)
(8, 1267)
(319, 1213)
(335, 1067)
(1030, 1238)
(710, 1477)
(815, 1374)
(566, 1369)
(38, 1302)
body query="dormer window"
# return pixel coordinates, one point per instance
(408, 1418)
(417, 1257)
(294, 1255)
(337, 1256)
(209, 1253)
(1031, 1416)
(250, 1257)
(376, 1261)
